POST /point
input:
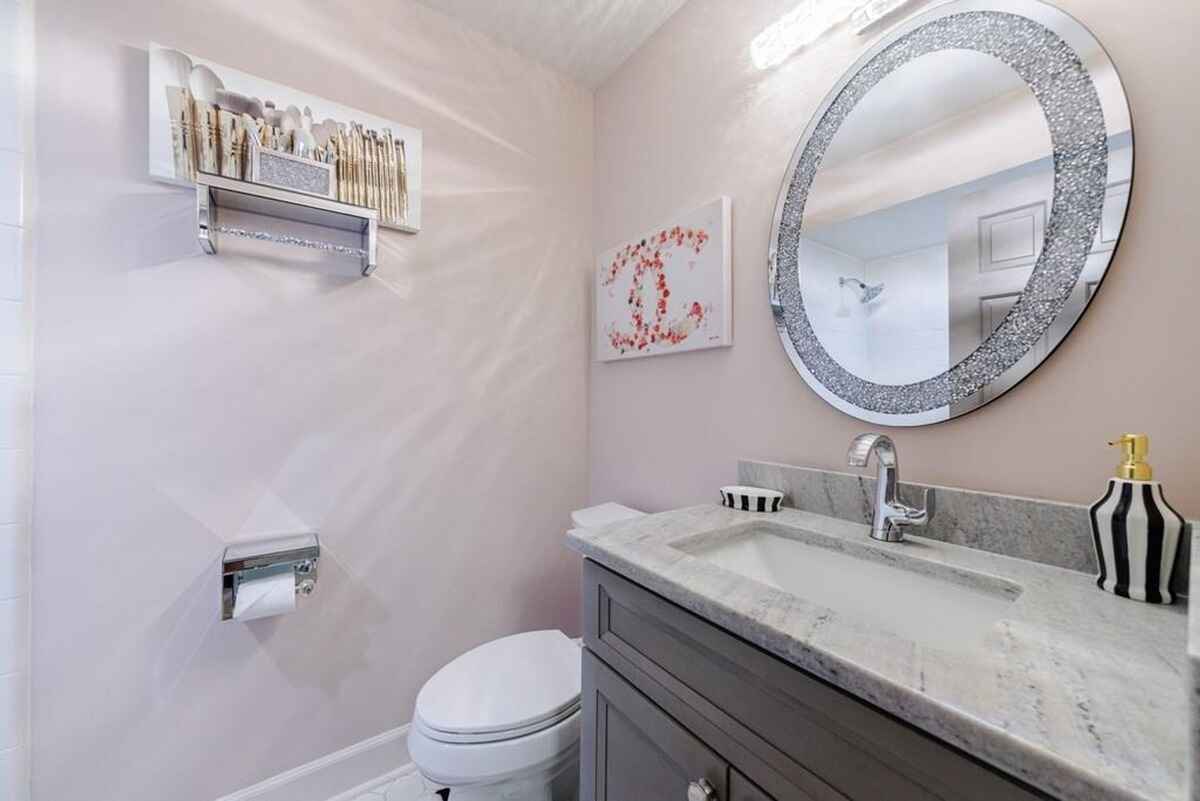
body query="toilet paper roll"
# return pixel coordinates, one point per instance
(263, 597)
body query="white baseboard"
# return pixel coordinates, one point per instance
(334, 777)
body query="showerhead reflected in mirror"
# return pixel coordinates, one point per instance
(867, 293)
(989, 213)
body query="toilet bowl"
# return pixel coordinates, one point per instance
(501, 722)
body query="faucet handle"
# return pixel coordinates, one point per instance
(914, 516)
(930, 503)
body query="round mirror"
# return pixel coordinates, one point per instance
(950, 211)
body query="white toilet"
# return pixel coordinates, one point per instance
(502, 720)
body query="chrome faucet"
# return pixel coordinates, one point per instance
(891, 516)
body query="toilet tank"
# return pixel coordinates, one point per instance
(602, 515)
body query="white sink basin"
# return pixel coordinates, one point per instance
(880, 585)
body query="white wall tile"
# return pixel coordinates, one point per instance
(14, 635)
(11, 165)
(14, 561)
(16, 412)
(14, 486)
(14, 710)
(10, 13)
(10, 121)
(14, 774)
(14, 340)
(15, 424)
(12, 283)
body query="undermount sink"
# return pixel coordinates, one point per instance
(880, 585)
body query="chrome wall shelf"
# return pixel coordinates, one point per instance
(215, 192)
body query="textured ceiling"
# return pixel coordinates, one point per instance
(585, 39)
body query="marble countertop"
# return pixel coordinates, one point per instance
(1077, 692)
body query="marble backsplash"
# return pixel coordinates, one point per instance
(1025, 528)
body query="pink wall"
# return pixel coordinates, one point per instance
(429, 421)
(689, 118)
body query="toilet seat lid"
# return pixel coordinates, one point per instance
(506, 685)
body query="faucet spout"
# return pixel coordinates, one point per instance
(862, 446)
(891, 515)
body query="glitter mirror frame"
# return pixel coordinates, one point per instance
(1076, 115)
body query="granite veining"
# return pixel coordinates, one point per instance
(1075, 691)
(1049, 532)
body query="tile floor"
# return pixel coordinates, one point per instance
(409, 786)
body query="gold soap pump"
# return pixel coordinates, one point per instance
(1134, 529)
(1134, 449)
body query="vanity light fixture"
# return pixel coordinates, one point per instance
(866, 15)
(801, 26)
(809, 21)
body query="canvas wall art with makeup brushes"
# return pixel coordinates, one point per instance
(206, 117)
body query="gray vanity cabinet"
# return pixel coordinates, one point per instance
(670, 699)
(641, 753)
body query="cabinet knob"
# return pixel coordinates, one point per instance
(701, 790)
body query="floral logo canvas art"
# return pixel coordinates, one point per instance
(668, 290)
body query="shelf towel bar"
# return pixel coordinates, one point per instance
(285, 239)
(214, 192)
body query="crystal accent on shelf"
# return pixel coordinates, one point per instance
(290, 172)
(285, 239)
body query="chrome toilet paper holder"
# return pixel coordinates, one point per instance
(244, 561)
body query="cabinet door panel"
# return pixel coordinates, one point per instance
(742, 789)
(633, 750)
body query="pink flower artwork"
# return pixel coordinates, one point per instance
(672, 282)
(649, 257)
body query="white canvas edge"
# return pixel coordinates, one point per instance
(726, 288)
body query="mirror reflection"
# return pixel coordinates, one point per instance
(928, 214)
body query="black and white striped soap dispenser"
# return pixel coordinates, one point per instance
(1136, 531)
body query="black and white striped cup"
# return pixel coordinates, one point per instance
(751, 499)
